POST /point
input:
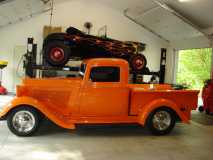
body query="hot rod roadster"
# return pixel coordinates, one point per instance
(58, 48)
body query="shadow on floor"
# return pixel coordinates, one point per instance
(49, 128)
(202, 118)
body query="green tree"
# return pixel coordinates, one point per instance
(194, 67)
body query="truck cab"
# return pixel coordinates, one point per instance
(104, 87)
(101, 94)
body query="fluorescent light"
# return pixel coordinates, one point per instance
(184, 0)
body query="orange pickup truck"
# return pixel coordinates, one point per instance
(101, 94)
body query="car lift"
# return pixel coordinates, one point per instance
(3, 64)
(31, 66)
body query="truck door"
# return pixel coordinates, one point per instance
(104, 94)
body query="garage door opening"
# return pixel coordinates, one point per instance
(194, 67)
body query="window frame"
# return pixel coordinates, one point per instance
(118, 74)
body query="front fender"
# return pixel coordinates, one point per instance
(54, 37)
(160, 103)
(18, 101)
(29, 101)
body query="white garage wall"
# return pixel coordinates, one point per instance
(75, 13)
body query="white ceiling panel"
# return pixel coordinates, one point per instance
(167, 25)
(165, 22)
(198, 11)
(12, 11)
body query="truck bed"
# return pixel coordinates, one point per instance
(143, 97)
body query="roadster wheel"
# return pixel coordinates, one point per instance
(138, 62)
(56, 53)
(161, 121)
(23, 121)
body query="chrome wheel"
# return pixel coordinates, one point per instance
(162, 120)
(23, 121)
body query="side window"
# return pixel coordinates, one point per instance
(105, 74)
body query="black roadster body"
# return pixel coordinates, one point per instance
(59, 48)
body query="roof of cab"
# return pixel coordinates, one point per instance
(106, 61)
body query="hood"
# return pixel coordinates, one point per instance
(35, 86)
(51, 82)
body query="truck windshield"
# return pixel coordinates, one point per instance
(82, 70)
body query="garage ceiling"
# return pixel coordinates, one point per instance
(198, 11)
(12, 11)
(163, 21)
(184, 23)
(147, 13)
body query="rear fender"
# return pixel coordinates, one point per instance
(54, 37)
(20, 101)
(149, 108)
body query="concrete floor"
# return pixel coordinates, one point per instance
(186, 142)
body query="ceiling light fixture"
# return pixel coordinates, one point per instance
(184, 0)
